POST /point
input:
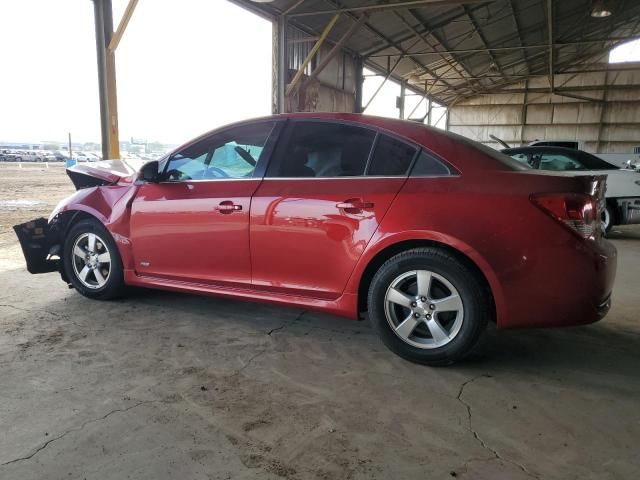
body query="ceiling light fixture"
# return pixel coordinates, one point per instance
(601, 8)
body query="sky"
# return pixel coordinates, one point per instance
(183, 68)
(629, 52)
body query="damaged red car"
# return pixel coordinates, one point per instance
(432, 234)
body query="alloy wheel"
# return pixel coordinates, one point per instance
(424, 309)
(91, 260)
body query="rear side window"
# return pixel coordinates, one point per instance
(321, 149)
(391, 157)
(429, 166)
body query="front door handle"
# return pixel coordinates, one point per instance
(354, 205)
(228, 207)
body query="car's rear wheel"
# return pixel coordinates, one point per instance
(428, 306)
(607, 219)
(92, 262)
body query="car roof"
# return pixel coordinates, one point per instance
(462, 152)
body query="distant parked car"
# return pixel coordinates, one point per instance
(47, 156)
(623, 185)
(60, 156)
(80, 157)
(26, 156)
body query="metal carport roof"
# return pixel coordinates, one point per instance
(457, 49)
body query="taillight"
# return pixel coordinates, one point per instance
(577, 211)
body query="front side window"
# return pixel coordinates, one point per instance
(391, 157)
(233, 153)
(319, 149)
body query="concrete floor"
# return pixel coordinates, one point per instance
(163, 385)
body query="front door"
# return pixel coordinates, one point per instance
(326, 190)
(194, 225)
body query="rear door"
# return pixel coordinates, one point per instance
(326, 189)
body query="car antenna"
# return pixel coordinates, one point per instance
(501, 142)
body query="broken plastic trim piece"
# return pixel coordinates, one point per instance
(36, 238)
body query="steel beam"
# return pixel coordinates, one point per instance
(550, 33)
(112, 96)
(385, 6)
(426, 31)
(389, 73)
(542, 46)
(424, 39)
(359, 84)
(281, 68)
(293, 7)
(403, 91)
(98, 13)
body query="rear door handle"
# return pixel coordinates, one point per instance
(355, 204)
(228, 207)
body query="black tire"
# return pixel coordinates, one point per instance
(114, 284)
(608, 213)
(476, 305)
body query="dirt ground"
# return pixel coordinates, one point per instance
(162, 385)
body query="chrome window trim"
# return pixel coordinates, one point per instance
(360, 177)
(201, 180)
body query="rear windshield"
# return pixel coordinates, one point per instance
(591, 162)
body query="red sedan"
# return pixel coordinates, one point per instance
(433, 234)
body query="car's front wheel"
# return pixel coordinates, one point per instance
(92, 262)
(428, 306)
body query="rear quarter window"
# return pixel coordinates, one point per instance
(429, 166)
(391, 157)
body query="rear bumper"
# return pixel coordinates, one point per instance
(566, 285)
(38, 241)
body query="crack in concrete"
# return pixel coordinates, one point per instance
(263, 350)
(76, 429)
(476, 435)
(286, 324)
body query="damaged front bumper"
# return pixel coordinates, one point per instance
(40, 245)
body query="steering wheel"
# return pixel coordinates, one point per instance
(246, 156)
(177, 175)
(218, 171)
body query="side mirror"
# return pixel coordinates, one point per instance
(149, 172)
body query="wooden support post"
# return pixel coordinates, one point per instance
(312, 53)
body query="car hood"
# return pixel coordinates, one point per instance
(105, 172)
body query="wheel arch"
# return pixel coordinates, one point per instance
(468, 257)
(66, 218)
